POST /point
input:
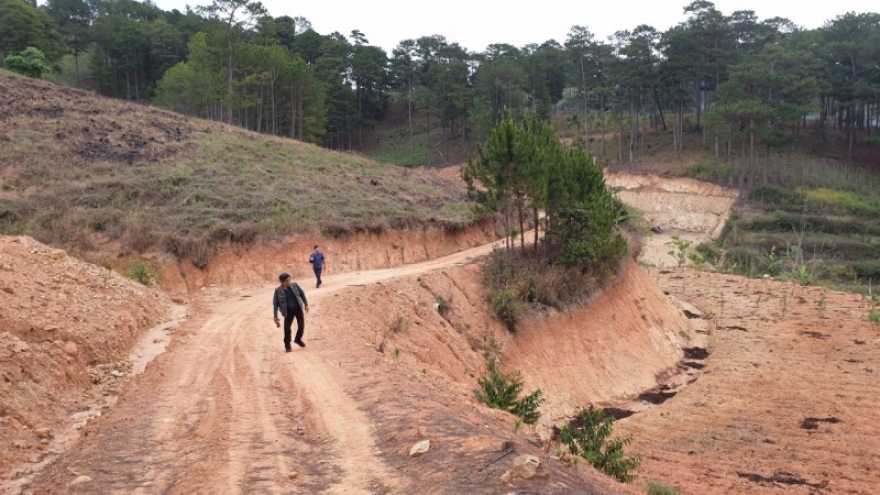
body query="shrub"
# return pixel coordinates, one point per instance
(593, 443)
(709, 172)
(872, 140)
(709, 252)
(518, 282)
(679, 249)
(867, 270)
(501, 391)
(504, 304)
(30, 62)
(775, 196)
(740, 261)
(842, 200)
(874, 316)
(803, 276)
(143, 271)
(199, 250)
(657, 488)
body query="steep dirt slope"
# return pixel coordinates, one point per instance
(66, 329)
(615, 346)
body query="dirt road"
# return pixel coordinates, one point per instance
(228, 411)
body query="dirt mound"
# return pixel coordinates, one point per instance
(90, 128)
(65, 327)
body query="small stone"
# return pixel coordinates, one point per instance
(292, 475)
(43, 432)
(505, 478)
(528, 467)
(80, 479)
(420, 448)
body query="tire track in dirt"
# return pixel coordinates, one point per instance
(226, 410)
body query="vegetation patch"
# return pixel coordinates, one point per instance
(147, 179)
(657, 488)
(525, 175)
(502, 391)
(143, 272)
(590, 437)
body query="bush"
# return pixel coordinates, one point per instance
(709, 252)
(592, 441)
(867, 270)
(775, 196)
(143, 271)
(505, 305)
(657, 488)
(872, 140)
(842, 201)
(518, 282)
(30, 62)
(740, 261)
(501, 391)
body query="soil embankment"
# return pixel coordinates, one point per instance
(240, 264)
(615, 346)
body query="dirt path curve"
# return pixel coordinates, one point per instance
(226, 410)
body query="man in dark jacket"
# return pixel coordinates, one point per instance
(317, 261)
(291, 300)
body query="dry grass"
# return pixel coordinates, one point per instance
(77, 169)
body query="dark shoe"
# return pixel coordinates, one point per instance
(287, 349)
(299, 343)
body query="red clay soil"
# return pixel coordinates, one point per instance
(257, 263)
(788, 401)
(226, 410)
(615, 346)
(66, 328)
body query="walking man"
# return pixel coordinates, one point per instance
(317, 261)
(291, 300)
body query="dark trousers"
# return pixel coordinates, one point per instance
(318, 274)
(292, 313)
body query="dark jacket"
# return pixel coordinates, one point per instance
(279, 300)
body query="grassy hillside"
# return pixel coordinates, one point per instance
(76, 170)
